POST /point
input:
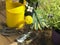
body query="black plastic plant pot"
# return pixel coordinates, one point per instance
(56, 37)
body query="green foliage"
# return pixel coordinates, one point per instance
(39, 21)
(49, 11)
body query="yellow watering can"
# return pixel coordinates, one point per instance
(15, 14)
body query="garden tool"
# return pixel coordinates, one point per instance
(26, 38)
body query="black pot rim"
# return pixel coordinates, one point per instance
(57, 30)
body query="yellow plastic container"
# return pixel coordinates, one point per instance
(14, 14)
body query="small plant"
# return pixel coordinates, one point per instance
(39, 23)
